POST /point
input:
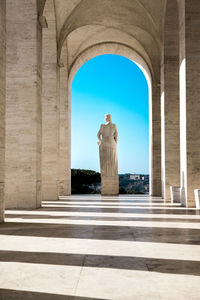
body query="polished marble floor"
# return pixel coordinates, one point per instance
(91, 247)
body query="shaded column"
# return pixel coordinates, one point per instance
(23, 105)
(64, 128)
(170, 102)
(2, 103)
(50, 107)
(155, 141)
(189, 14)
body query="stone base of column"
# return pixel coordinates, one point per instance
(175, 194)
(110, 186)
(64, 188)
(183, 197)
(197, 198)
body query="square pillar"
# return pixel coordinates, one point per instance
(170, 102)
(189, 15)
(23, 105)
(64, 183)
(50, 107)
(155, 142)
(2, 103)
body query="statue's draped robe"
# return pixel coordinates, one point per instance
(108, 158)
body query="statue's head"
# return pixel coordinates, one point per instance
(108, 118)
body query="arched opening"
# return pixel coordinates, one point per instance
(126, 54)
(111, 83)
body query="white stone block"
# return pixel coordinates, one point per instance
(175, 194)
(197, 198)
(183, 197)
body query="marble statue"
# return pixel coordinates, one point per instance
(107, 141)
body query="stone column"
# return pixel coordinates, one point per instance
(64, 128)
(2, 102)
(189, 14)
(155, 141)
(50, 107)
(170, 102)
(23, 105)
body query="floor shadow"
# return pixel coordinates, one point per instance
(99, 205)
(120, 233)
(100, 218)
(172, 266)
(128, 210)
(6, 294)
(105, 201)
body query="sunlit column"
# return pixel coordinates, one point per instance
(189, 11)
(23, 104)
(2, 102)
(170, 102)
(50, 107)
(64, 128)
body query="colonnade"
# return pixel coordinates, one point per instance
(35, 134)
(189, 57)
(180, 100)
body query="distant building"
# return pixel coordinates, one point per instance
(134, 183)
(145, 177)
(135, 177)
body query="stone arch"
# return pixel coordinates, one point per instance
(100, 49)
(110, 48)
(143, 36)
(140, 24)
(90, 35)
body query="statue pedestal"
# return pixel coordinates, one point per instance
(109, 185)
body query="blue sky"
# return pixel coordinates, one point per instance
(110, 84)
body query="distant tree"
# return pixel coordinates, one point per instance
(82, 179)
(85, 176)
(81, 189)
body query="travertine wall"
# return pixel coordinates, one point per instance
(170, 102)
(2, 102)
(50, 107)
(189, 98)
(23, 105)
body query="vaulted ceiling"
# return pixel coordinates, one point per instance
(135, 23)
